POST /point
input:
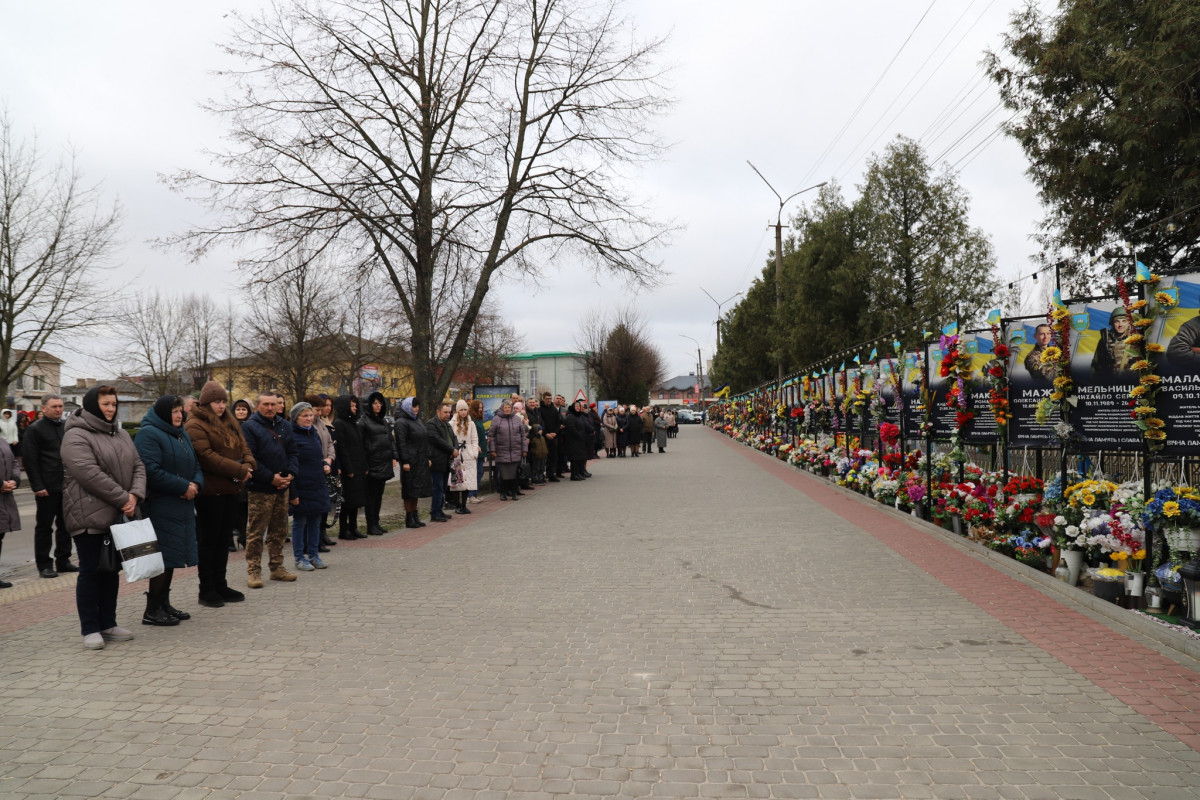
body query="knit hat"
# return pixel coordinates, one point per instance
(297, 409)
(213, 392)
(461, 405)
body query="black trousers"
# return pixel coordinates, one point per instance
(50, 528)
(217, 516)
(375, 487)
(552, 469)
(95, 591)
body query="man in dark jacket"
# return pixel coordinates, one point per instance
(552, 426)
(44, 470)
(441, 450)
(270, 440)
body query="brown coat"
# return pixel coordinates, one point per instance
(221, 448)
(101, 468)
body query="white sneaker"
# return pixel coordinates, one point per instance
(117, 635)
(475, 499)
(93, 641)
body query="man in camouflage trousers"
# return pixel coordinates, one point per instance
(270, 439)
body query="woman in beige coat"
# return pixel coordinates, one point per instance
(103, 479)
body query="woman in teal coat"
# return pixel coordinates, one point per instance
(173, 479)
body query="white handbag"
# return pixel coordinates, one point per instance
(137, 545)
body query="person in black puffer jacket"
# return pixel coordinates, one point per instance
(381, 456)
(352, 458)
(412, 445)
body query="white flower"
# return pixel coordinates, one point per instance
(1061, 520)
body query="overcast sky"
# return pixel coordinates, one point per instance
(770, 81)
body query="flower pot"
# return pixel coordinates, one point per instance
(1153, 597)
(1183, 539)
(956, 524)
(1135, 583)
(1074, 562)
(1108, 590)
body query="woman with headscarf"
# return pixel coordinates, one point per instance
(173, 480)
(609, 423)
(227, 464)
(661, 428)
(507, 445)
(308, 495)
(381, 456)
(103, 480)
(352, 457)
(463, 479)
(622, 430)
(634, 429)
(412, 446)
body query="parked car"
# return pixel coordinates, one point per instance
(685, 416)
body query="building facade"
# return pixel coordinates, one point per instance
(555, 372)
(42, 375)
(682, 390)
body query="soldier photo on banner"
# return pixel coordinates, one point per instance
(1178, 333)
(1100, 367)
(1029, 381)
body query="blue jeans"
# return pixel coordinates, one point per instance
(439, 493)
(306, 535)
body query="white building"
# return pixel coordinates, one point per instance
(558, 373)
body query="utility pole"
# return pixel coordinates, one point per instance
(779, 250)
(699, 372)
(723, 302)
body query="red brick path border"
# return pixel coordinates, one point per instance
(1162, 690)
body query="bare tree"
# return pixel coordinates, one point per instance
(154, 340)
(368, 330)
(493, 341)
(289, 326)
(54, 238)
(440, 141)
(202, 322)
(620, 357)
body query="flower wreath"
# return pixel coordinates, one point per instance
(1143, 358)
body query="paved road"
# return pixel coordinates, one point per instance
(704, 623)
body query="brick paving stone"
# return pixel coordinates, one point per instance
(705, 623)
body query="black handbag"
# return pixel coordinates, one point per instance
(109, 559)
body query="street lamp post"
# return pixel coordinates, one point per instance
(723, 302)
(779, 247)
(699, 372)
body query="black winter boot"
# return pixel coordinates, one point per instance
(411, 520)
(155, 613)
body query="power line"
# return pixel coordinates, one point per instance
(862, 104)
(917, 93)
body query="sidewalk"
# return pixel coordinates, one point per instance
(704, 623)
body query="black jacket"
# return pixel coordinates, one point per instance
(552, 421)
(441, 444)
(351, 455)
(634, 428)
(412, 445)
(377, 438)
(274, 450)
(40, 452)
(578, 436)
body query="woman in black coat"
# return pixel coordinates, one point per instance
(634, 430)
(578, 435)
(412, 447)
(352, 458)
(381, 455)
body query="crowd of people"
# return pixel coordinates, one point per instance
(212, 476)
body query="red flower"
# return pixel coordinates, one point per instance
(1002, 351)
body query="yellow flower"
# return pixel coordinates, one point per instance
(1118, 556)
(1145, 411)
(1051, 354)
(1156, 436)
(1133, 338)
(1139, 555)
(1061, 382)
(1088, 499)
(1187, 492)
(1143, 323)
(1155, 423)
(1165, 300)
(1056, 396)
(1138, 391)
(1137, 305)
(1141, 365)
(1059, 314)
(1170, 509)
(1154, 347)
(1150, 380)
